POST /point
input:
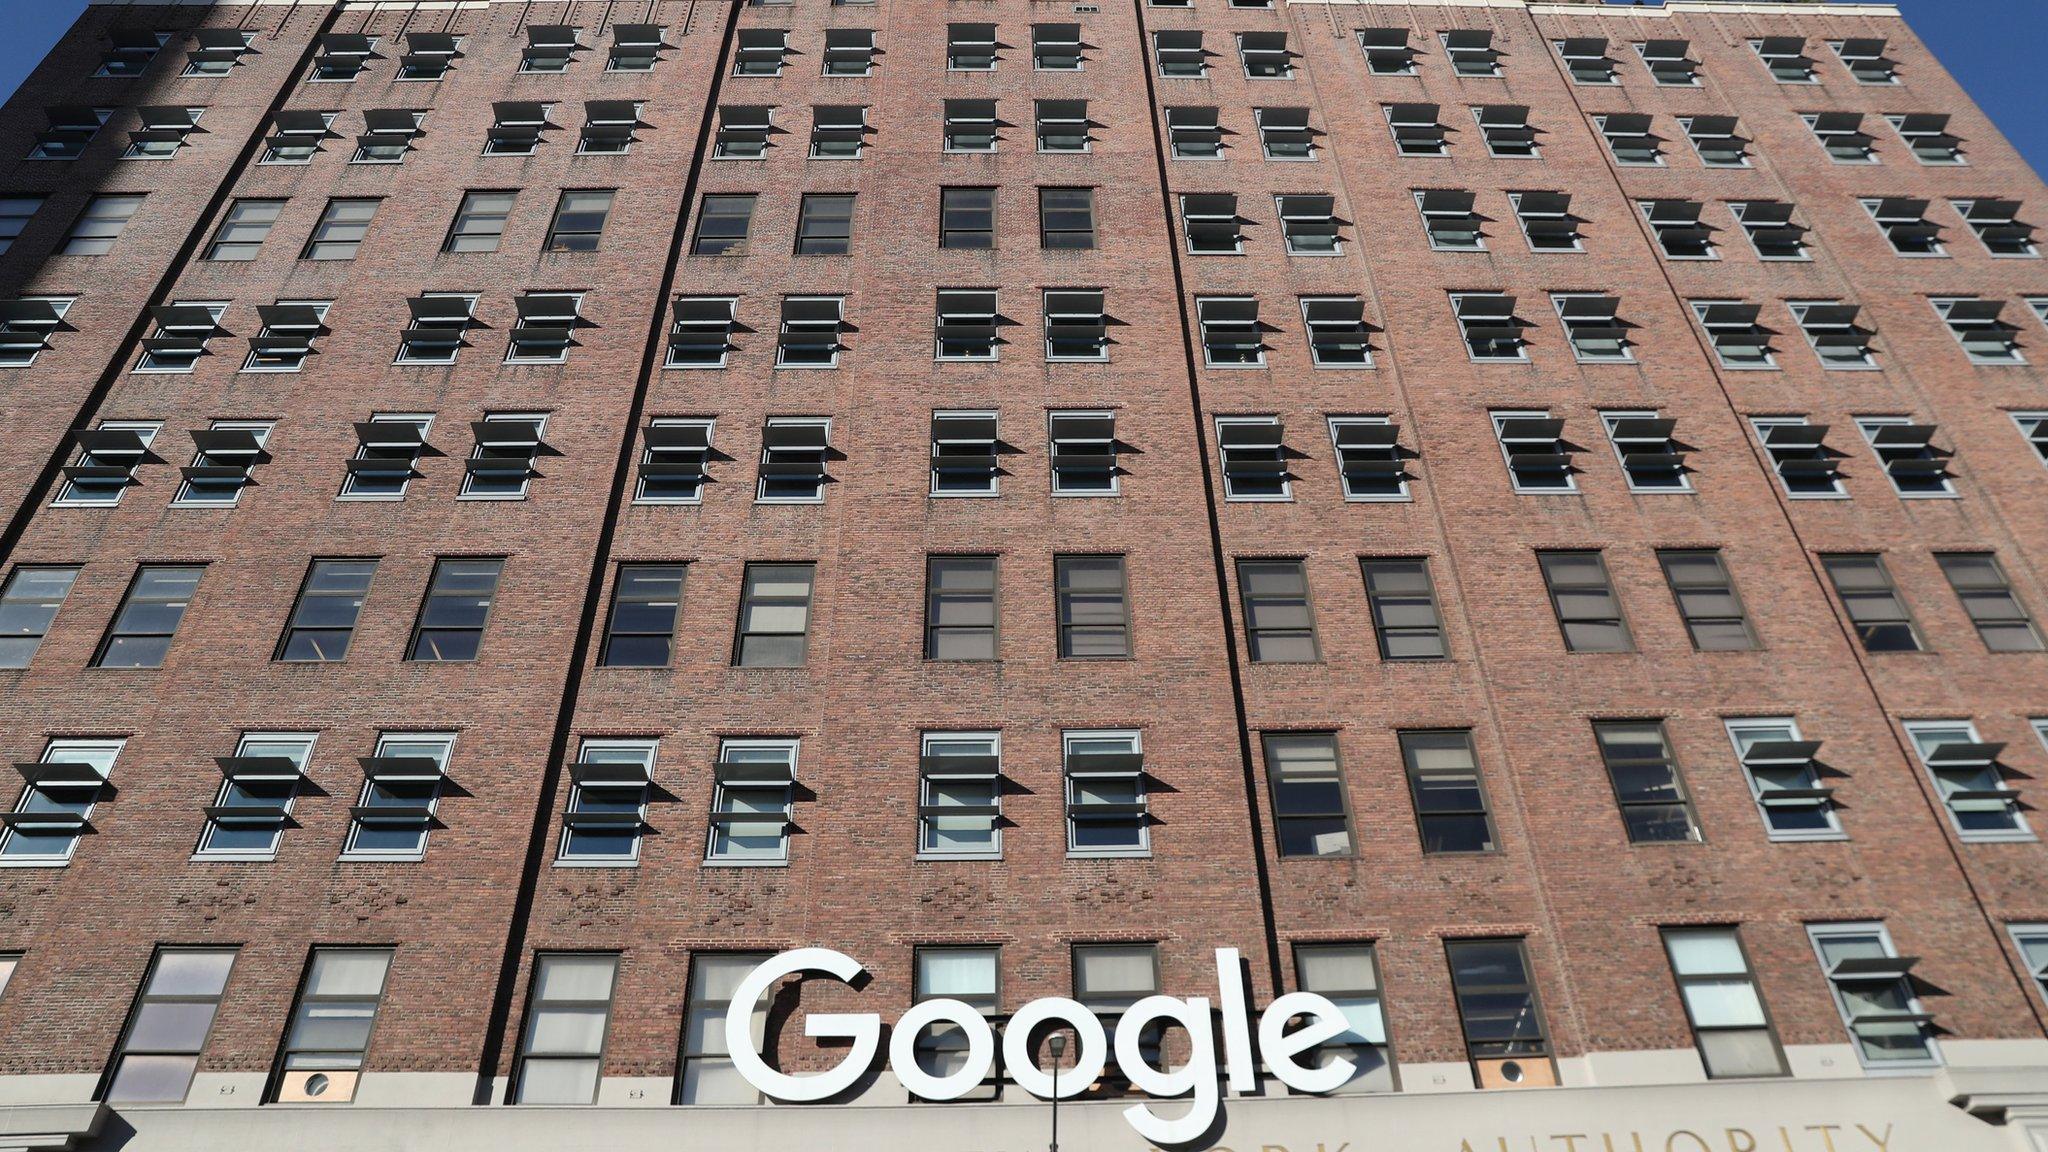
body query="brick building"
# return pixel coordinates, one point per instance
(1524, 519)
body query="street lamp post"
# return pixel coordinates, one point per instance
(1057, 1045)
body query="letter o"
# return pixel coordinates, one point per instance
(1091, 1049)
(981, 1049)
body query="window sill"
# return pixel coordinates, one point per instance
(2016, 836)
(598, 862)
(232, 858)
(1127, 854)
(944, 857)
(746, 863)
(33, 862)
(380, 857)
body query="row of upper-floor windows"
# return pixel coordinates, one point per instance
(572, 996)
(345, 56)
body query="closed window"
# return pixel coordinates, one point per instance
(243, 230)
(960, 787)
(561, 1053)
(1874, 991)
(1450, 802)
(579, 221)
(1108, 979)
(401, 789)
(2032, 940)
(960, 608)
(752, 802)
(331, 1024)
(99, 225)
(967, 217)
(254, 803)
(341, 230)
(708, 1076)
(57, 800)
(775, 616)
(480, 222)
(1066, 218)
(640, 632)
(458, 603)
(1723, 1003)
(1106, 807)
(140, 636)
(1647, 782)
(1500, 1013)
(168, 1027)
(1348, 976)
(28, 604)
(1279, 624)
(824, 225)
(323, 620)
(1707, 600)
(1310, 815)
(1588, 612)
(722, 225)
(15, 213)
(1875, 609)
(970, 976)
(1094, 607)
(1987, 595)
(1405, 618)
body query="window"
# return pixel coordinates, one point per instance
(388, 134)
(1842, 136)
(1971, 780)
(1582, 595)
(1387, 51)
(428, 55)
(226, 454)
(970, 126)
(965, 324)
(1063, 126)
(1651, 460)
(1538, 457)
(1279, 621)
(608, 127)
(964, 454)
(323, 619)
(761, 52)
(1987, 595)
(480, 222)
(1083, 448)
(1109, 979)
(182, 329)
(130, 50)
(1489, 325)
(1904, 222)
(1975, 323)
(960, 787)
(635, 47)
(1348, 975)
(2032, 940)
(1723, 1004)
(774, 617)
(107, 458)
(343, 56)
(99, 224)
(1066, 218)
(286, 338)
(1670, 62)
(8, 962)
(1338, 336)
(1597, 335)
(1471, 52)
(401, 789)
(331, 1025)
(141, 633)
(960, 617)
(1232, 336)
(388, 449)
(967, 217)
(674, 462)
(1057, 47)
(1995, 222)
(567, 1016)
(1310, 815)
(708, 1076)
(640, 633)
(2033, 428)
(1180, 53)
(610, 781)
(1449, 221)
(1417, 130)
(17, 211)
(809, 333)
(1106, 804)
(1194, 133)
(1915, 466)
(1265, 55)
(1630, 140)
(502, 462)
(1499, 1011)
(168, 1027)
(1785, 779)
(71, 129)
(1254, 458)
(1547, 221)
(1771, 229)
(546, 329)
(793, 455)
(967, 975)
(340, 230)
(1310, 225)
(259, 783)
(722, 225)
(1786, 57)
(439, 322)
(1927, 134)
(28, 603)
(744, 132)
(1507, 130)
(1830, 326)
(824, 224)
(1284, 133)
(1451, 802)
(457, 605)
(1405, 618)
(1647, 783)
(1875, 609)
(1866, 60)
(1874, 991)
(26, 324)
(1211, 223)
(1093, 607)
(971, 47)
(1586, 58)
(579, 221)
(1707, 599)
(838, 131)
(1678, 229)
(1715, 140)
(57, 800)
(1738, 340)
(1076, 327)
(752, 801)
(243, 229)
(849, 51)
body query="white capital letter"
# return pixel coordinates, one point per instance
(981, 1049)
(1198, 1077)
(1280, 1046)
(863, 1028)
(1090, 1049)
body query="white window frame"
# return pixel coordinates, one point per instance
(424, 421)
(313, 75)
(994, 740)
(1962, 206)
(1609, 418)
(144, 364)
(446, 752)
(1868, 426)
(994, 486)
(262, 429)
(41, 149)
(249, 363)
(1799, 309)
(1498, 417)
(301, 758)
(1257, 364)
(1692, 76)
(1613, 65)
(1774, 728)
(1758, 426)
(1746, 159)
(1115, 473)
(1740, 208)
(1535, 151)
(1522, 222)
(2017, 357)
(2019, 829)
(1045, 303)
(1600, 126)
(2039, 419)
(271, 155)
(710, 426)
(1891, 75)
(540, 432)
(939, 316)
(794, 748)
(1478, 228)
(1265, 151)
(1649, 208)
(1756, 44)
(164, 150)
(2023, 933)
(403, 355)
(1068, 737)
(1871, 205)
(1308, 330)
(1957, 157)
(1521, 355)
(1334, 423)
(1286, 492)
(650, 750)
(1627, 354)
(1815, 933)
(1699, 313)
(839, 302)
(512, 353)
(760, 483)
(53, 748)
(58, 304)
(146, 429)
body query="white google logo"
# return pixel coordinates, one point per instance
(1323, 1022)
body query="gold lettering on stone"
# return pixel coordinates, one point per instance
(1747, 1144)
(1882, 1144)
(1699, 1141)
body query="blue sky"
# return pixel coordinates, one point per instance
(1992, 46)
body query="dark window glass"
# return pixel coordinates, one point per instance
(27, 606)
(149, 617)
(722, 224)
(1647, 783)
(579, 221)
(645, 602)
(825, 225)
(1587, 610)
(1980, 583)
(967, 217)
(1707, 600)
(1094, 606)
(479, 222)
(1880, 618)
(451, 624)
(1450, 803)
(1404, 610)
(1279, 624)
(324, 619)
(1309, 812)
(1066, 218)
(960, 608)
(1496, 999)
(775, 616)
